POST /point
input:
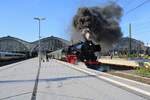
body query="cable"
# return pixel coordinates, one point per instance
(137, 6)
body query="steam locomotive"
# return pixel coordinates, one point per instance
(82, 51)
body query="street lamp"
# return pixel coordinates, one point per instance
(37, 77)
(39, 19)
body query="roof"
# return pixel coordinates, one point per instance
(31, 45)
(52, 37)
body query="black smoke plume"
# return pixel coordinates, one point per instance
(99, 24)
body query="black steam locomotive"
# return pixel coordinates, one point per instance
(82, 51)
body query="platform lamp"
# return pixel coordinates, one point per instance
(39, 19)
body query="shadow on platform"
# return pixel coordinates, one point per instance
(46, 80)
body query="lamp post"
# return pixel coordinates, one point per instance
(37, 77)
(39, 19)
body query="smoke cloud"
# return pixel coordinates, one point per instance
(101, 25)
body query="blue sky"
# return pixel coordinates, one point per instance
(16, 17)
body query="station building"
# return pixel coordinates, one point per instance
(12, 44)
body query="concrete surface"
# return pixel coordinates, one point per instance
(120, 62)
(17, 80)
(58, 82)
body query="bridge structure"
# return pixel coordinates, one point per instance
(63, 81)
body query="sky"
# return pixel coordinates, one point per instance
(16, 18)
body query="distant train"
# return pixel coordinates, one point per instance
(4, 56)
(82, 51)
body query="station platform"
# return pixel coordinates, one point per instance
(63, 81)
(121, 62)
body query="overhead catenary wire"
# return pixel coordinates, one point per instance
(143, 32)
(129, 11)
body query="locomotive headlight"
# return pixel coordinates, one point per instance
(87, 35)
